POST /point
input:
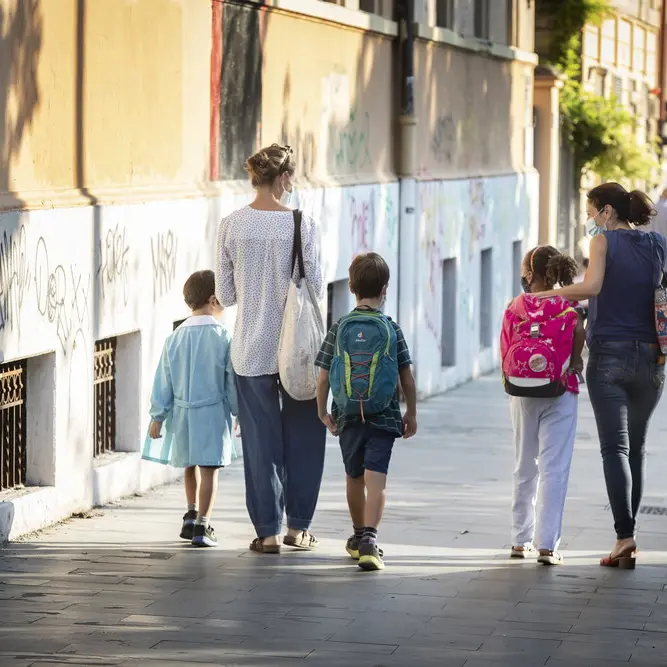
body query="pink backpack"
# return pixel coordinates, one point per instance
(536, 346)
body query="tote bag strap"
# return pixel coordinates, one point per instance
(297, 250)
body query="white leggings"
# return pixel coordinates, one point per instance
(544, 431)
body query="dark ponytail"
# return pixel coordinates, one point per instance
(640, 208)
(634, 207)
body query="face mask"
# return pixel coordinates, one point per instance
(591, 226)
(525, 285)
(285, 197)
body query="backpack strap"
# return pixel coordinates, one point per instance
(297, 250)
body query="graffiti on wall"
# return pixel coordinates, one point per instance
(390, 214)
(477, 216)
(362, 216)
(61, 291)
(350, 143)
(61, 296)
(14, 276)
(443, 139)
(345, 128)
(431, 244)
(113, 264)
(164, 249)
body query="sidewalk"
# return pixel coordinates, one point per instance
(119, 588)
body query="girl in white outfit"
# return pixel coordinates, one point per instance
(544, 431)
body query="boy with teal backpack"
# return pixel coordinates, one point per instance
(362, 360)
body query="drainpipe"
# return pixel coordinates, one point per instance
(408, 232)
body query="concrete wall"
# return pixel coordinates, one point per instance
(458, 219)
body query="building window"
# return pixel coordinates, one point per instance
(481, 25)
(639, 49)
(624, 53)
(592, 42)
(13, 454)
(517, 260)
(597, 77)
(485, 300)
(618, 89)
(104, 383)
(450, 306)
(651, 56)
(380, 7)
(608, 54)
(444, 17)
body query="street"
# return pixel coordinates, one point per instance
(117, 587)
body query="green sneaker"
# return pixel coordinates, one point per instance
(370, 556)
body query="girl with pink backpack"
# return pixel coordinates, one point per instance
(540, 345)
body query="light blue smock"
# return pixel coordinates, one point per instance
(194, 395)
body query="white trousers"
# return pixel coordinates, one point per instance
(544, 432)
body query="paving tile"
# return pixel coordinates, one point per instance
(588, 662)
(446, 599)
(534, 647)
(620, 650)
(508, 660)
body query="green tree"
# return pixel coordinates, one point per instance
(600, 131)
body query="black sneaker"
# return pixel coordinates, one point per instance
(188, 529)
(352, 547)
(370, 556)
(204, 536)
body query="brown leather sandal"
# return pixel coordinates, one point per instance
(304, 541)
(258, 546)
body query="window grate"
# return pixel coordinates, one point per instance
(12, 425)
(104, 381)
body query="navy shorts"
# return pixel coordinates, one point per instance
(365, 447)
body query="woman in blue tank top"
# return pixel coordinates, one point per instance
(626, 370)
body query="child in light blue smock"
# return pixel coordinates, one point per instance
(194, 396)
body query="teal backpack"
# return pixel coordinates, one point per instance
(364, 369)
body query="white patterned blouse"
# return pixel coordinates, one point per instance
(253, 258)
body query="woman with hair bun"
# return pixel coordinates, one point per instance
(283, 439)
(626, 370)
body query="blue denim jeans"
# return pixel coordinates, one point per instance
(625, 381)
(283, 454)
